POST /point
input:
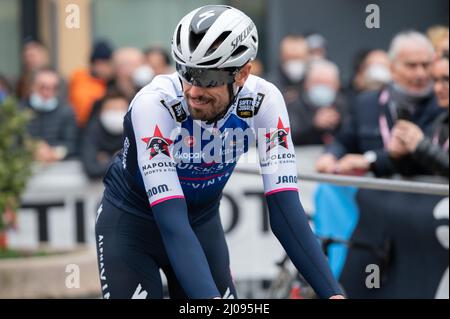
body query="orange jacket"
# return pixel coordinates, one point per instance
(84, 90)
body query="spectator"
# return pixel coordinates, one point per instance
(439, 37)
(53, 123)
(316, 115)
(362, 144)
(87, 86)
(131, 71)
(34, 56)
(371, 72)
(103, 135)
(317, 45)
(159, 60)
(294, 56)
(407, 138)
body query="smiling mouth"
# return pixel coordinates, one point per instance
(199, 103)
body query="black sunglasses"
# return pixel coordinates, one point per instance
(206, 78)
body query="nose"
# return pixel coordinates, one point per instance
(196, 91)
(422, 72)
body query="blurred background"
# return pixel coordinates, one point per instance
(68, 70)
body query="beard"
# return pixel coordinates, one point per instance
(208, 112)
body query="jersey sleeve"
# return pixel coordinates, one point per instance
(275, 147)
(154, 132)
(287, 216)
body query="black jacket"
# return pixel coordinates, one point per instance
(362, 132)
(57, 127)
(98, 148)
(432, 155)
(301, 116)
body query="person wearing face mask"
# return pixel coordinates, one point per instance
(294, 56)
(53, 122)
(371, 71)
(132, 72)
(410, 141)
(317, 115)
(103, 135)
(362, 144)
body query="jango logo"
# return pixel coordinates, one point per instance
(157, 190)
(286, 179)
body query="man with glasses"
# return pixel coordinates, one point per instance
(53, 124)
(183, 135)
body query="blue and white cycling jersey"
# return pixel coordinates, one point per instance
(167, 154)
(172, 171)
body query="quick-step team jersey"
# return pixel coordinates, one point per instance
(166, 154)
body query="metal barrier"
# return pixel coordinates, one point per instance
(370, 183)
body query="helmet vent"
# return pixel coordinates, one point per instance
(178, 44)
(241, 49)
(208, 63)
(195, 39)
(217, 43)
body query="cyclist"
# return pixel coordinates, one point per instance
(160, 208)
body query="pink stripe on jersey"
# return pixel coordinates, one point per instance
(164, 199)
(281, 190)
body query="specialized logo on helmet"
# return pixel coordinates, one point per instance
(157, 144)
(241, 37)
(278, 137)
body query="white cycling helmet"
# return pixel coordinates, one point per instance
(215, 37)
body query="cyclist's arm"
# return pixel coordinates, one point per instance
(287, 216)
(166, 198)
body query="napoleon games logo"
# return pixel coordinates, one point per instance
(157, 144)
(278, 137)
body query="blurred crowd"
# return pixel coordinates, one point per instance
(391, 118)
(82, 116)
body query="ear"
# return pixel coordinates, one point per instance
(243, 74)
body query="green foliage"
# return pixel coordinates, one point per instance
(16, 156)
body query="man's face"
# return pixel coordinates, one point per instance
(157, 62)
(440, 76)
(411, 68)
(206, 103)
(46, 85)
(294, 49)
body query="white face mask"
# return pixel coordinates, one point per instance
(112, 121)
(378, 73)
(39, 104)
(321, 95)
(142, 76)
(294, 70)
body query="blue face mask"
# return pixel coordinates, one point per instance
(41, 105)
(321, 95)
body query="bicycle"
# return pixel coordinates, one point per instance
(290, 284)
